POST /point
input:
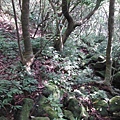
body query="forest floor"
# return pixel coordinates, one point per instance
(9, 58)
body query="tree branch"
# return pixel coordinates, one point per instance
(79, 23)
(65, 11)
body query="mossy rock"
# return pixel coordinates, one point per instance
(114, 104)
(100, 73)
(94, 58)
(101, 106)
(100, 65)
(44, 109)
(68, 115)
(24, 113)
(51, 89)
(92, 118)
(116, 115)
(74, 107)
(50, 112)
(3, 118)
(41, 118)
(116, 80)
(42, 101)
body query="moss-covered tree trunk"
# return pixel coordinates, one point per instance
(28, 52)
(109, 44)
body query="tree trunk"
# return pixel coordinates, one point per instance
(0, 4)
(28, 52)
(58, 44)
(107, 80)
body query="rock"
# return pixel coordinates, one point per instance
(51, 89)
(100, 73)
(44, 108)
(24, 113)
(41, 118)
(74, 107)
(68, 115)
(100, 65)
(52, 114)
(42, 101)
(98, 95)
(3, 118)
(47, 90)
(94, 58)
(116, 80)
(101, 58)
(92, 118)
(114, 104)
(101, 106)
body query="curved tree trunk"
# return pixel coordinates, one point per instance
(72, 24)
(28, 53)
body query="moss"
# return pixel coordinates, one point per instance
(74, 107)
(50, 112)
(68, 114)
(51, 89)
(114, 104)
(24, 114)
(41, 118)
(101, 106)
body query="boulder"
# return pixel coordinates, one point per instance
(74, 107)
(50, 112)
(114, 104)
(100, 65)
(51, 89)
(101, 106)
(43, 108)
(116, 80)
(100, 73)
(24, 113)
(68, 115)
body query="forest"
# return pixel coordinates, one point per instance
(59, 59)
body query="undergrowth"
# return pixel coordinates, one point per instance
(66, 70)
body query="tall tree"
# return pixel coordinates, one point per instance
(107, 80)
(72, 24)
(28, 51)
(18, 37)
(0, 4)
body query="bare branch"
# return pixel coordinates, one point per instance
(89, 15)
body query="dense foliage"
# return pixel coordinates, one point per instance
(59, 85)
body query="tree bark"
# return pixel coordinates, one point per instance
(109, 44)
(72, 24)
(0, 4)
(28, 53)
(18, 36)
